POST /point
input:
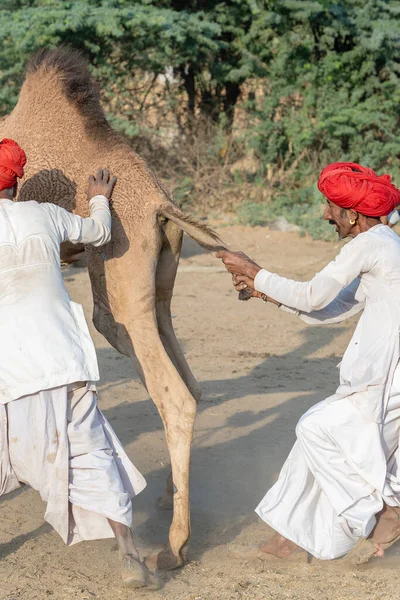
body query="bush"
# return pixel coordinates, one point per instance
(232, 102)
(303, 207)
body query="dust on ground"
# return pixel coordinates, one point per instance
(260, 369)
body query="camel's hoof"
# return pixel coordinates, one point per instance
(136, 574)
(165, 560)
(165, 502)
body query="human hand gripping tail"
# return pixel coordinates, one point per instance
(243, 271)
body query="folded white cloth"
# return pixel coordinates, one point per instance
(60, 443)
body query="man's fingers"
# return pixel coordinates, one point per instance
(221, 254)
(99, 174)
(106, 175)
(91, 180)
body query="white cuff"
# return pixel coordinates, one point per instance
(261, 280)
(100, 199)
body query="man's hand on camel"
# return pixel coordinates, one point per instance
(101, 184)
(237, 263)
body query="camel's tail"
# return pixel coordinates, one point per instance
(202, 234)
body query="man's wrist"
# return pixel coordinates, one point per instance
(99, 197)
(253, 270)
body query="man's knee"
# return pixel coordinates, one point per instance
(311, 423)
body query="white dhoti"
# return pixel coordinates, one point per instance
(60, 443)
(339, 473)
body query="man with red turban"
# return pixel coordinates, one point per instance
(52, 434)
(339, 490)
(12, 162)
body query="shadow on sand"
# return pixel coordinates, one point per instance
(229, 476)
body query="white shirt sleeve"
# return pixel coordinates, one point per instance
(347, 303)
(355, 258)
(95, 230)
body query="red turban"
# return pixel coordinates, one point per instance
(12, 162)
(350, 185)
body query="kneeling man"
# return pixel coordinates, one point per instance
(339, 489)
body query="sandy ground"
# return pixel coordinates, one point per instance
(260, 369)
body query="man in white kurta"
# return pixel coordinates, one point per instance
(343, 470)
(52, 434)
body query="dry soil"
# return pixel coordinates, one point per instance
(260, 369)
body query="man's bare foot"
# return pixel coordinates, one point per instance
(279, 546)
(387, 528)
(135, 574)
(384, 535)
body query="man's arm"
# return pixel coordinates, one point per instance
(96, 229)
(358, 256)
(347, 303)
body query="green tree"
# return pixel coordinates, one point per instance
(318, 80)
(333, 91)
(212, 47)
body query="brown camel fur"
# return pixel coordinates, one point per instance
(60, 124)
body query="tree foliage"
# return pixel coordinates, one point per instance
(316, 80)
(211, 47)
(339, 96)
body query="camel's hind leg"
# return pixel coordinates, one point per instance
(133, 330)
(177, 409)
(165, 279)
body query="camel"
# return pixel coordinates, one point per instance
(60, 123)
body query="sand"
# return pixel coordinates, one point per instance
(260, 369)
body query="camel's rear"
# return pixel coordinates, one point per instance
(59, 122)
(61, 125)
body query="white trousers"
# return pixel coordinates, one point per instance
(336, 478)
(59, 443)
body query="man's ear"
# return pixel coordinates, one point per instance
(15, 190)
(353, 215)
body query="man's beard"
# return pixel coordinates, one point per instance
(332, 222)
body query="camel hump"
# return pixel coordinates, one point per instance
(72, 67)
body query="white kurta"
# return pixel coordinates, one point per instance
(344, 464)
(51, 437)
(45, 341)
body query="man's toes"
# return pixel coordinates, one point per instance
(132, 573)
(135, 574)
(379, 551)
